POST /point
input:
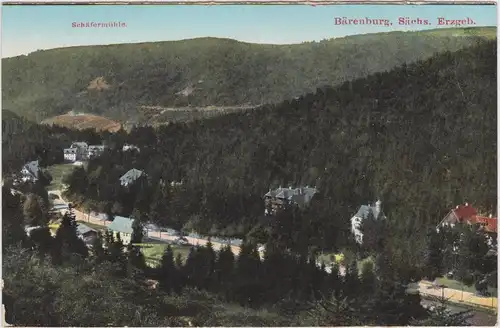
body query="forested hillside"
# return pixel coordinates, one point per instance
(422, 138)
(114, 80)
(24, 141)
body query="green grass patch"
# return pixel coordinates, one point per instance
(58, 171)
(454, 284)
(153, 253)
(329, 258)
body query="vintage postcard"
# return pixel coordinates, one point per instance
(249, 165)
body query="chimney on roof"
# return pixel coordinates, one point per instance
(491, 216)
(378, 205)
(290, 187)
(466, 204)
(456, 207)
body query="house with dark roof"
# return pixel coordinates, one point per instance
(129, 177)
(122, 226)
(76, 152)
(279, 198)
(86, 233)
(30, 171)
(128, 147)
(95, 150)
(364, 212)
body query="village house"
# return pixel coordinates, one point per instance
(277, 199)
(129, 177)
(468, 214)
(123, 226)
(70, 154)
(95, 150)
(362, 214)
(128, 147)
(30, 171)
(87, 234)
(76, 152)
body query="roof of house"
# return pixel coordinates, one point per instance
(121, 224)
(70, 150)
(132, 175)
(364, 211)
(79, 144)
(464, 211)
(299, 195)
(32, 167)
(127, 147)
(91, 147)
(489, 224)
(82, 229)
(467, 213)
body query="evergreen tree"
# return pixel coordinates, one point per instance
(367, 279)
(137, 232)
(224, 267)
(351, 280)
(433, 266)
(100, 253)
(209, 256)
(41, 240)
(117, 256)
(135, 255)
(108, 239)
(179, 263)
(13, 232)
(167, 272)
(67, 237)
(34, 211)
(193, 268)
(334, 281)
(248, 265)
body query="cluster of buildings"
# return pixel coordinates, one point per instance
(277, 199)
(80, 151)
(466, 214)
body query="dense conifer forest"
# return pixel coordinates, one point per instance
(421, 138)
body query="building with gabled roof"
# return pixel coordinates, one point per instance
(362, 214)
(468, 214)
(79, 144)
(95, 150)
(122, 226)
(30, 171)
(70, 154)
(86, 233)
(281, 197)
(127, 147)
(76, 152)
(131, 175)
